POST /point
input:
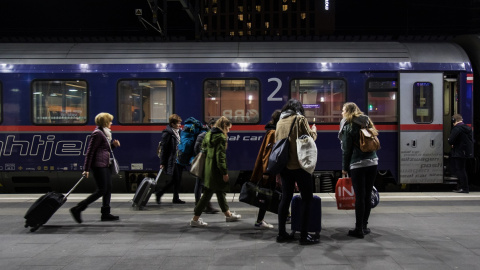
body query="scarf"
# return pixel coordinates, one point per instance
(108, 134)
(176, 133)
(288, 113)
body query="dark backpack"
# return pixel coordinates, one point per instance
(185, 151)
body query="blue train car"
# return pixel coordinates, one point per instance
(50, 94)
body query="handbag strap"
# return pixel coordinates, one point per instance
(291, 127)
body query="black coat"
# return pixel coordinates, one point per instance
(461, 141)
(168, 155)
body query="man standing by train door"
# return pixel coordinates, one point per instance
(462, 148)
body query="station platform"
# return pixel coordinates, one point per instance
(409, 231)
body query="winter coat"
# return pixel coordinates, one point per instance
(168, 155)
(98, 151)
(198, 143)
(215, 143)
(283, 128)
(261, 163)
(350, 136)
(461, 141)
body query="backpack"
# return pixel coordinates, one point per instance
(185, 151)
(368, 140)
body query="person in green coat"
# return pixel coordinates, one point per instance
(216, 173)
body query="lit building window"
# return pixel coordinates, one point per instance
(284, 1)
(240, 33)
(285, 7)
(303, 15)
(206, 10)
(232, 33)
(214, 1)
(240, 8)
(240, 17)
(267, 25)
(258, 8)
(205, 27)
(214, 9)
(294, 1)
(249, 25)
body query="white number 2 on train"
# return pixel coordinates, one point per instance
(279, 85)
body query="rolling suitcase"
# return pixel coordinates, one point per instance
(315, 218)
(44, 208)
(144, 191)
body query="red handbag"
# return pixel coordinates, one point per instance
(344, 194)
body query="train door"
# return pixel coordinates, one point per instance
(421, 128)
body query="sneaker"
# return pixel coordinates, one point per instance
(233, 217)
(198, 223)
(263, 225)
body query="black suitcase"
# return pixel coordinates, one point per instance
(315, 217)
(44, 208)
(144, 191)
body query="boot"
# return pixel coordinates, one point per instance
(365, 229)
(106, 216)
(76, 212)
(357, 232)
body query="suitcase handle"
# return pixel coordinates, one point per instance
(158, 176)
(78, 182)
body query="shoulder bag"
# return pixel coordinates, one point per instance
(263, 198)
(278, 158)
(198, 165)
(306, 152)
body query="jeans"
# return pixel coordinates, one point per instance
(362, 181)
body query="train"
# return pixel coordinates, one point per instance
(51, 92)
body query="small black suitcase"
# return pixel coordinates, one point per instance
(44, 208)
(144, 191)
(315, 216)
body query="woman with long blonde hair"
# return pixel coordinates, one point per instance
(216, 173)
(362, 166)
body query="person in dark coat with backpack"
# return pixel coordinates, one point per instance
(462, 148)
(362, 166)
(168, 155)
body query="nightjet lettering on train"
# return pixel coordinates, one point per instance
(44, 145)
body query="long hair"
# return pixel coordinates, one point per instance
(352, 110)
(223, 123)
(294, 105)
(275, 117)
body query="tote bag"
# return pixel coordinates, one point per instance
(306, 152)
(344, 194)
(198, 165)
(278, 158)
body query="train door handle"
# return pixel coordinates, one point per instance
(414, 143)
(432, 143)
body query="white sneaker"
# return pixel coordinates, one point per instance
(233, 217)
(263, 225)
(198, 223)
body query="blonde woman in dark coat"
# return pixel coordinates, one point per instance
(98, 160)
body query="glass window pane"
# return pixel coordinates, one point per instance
(321, 99)
(59, 102)
(423, 102)
(382, 100)
(144, 101)
(237, 99)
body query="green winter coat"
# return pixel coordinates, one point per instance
(215, 144)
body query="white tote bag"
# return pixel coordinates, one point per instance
(307, 152)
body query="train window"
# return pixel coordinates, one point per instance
(144, 101)
(382, 100)
(423, 102)
(59, 102)
(322, 99)
(237, 99)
